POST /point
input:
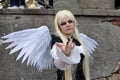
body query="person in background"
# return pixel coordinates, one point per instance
(39, 4)
(1, 5)
(117, 4)
(46, 3)
(17, 4)
(34, 4)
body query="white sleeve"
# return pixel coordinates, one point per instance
(62, 61)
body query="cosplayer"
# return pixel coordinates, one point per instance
(67, 50)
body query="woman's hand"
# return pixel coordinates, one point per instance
(66, 49)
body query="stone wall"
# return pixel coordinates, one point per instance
(84, 4)
(95, 23)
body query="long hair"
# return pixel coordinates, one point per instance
(58, 18)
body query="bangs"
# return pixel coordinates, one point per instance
(60, 16)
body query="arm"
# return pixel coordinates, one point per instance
(62, 61)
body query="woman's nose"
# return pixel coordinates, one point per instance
(67, 23)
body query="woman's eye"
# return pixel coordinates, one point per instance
(70, 21)
(63, 23)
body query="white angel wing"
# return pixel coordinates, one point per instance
(90, 43)
(34, 45)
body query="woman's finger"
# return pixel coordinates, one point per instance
(71, 42)
(67, 44)
(72, 45)
(60, 45)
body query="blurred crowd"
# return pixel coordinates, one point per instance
(29, 4)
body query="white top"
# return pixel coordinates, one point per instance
(62, 61)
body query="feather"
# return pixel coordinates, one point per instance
(90, 43)
(34, 45)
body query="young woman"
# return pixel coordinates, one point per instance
(66, 27)
(68, 50)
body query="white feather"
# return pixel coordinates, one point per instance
(34, 45)
(90, 43)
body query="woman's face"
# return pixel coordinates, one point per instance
(67, 26)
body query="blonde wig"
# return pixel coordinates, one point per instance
(58, 18)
